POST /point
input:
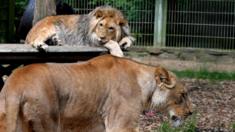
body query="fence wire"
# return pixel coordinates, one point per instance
(190, 23)
(201, 24)
(140, 14)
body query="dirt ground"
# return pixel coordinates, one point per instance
(214, 106)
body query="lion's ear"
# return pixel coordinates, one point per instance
(98, 14)
(123, 22)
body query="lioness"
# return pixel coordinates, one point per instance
(104, 26)
(104, 94)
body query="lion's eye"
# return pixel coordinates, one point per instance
(101, 24)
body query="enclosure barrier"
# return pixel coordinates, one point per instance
(157, 23)
(174, 23)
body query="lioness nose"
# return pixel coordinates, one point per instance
(190, 113)
(174, 118)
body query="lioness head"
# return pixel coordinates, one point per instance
(173, 95)
(107, 24)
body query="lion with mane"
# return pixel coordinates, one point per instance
(104, 26)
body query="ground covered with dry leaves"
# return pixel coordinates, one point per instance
(214, 107)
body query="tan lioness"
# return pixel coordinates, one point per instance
(104, 94)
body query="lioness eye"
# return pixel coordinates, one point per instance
(101, 24)
(179, 101)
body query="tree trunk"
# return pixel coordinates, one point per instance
(43, 8)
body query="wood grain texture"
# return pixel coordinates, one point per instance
(21, 54)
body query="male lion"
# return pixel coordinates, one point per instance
(104, 26)
(104, 94)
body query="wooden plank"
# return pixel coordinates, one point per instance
(22, 54)
(19, 48)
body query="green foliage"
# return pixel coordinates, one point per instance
(188, 126)
(233, 127)
(165, 127)
(131, 8)
(20, 6)
(205, 74)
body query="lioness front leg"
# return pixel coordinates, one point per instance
(122, 118)
(114, 48)
(120, 126)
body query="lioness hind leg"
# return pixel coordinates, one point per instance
(39, 118)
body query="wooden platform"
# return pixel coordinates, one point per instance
(20, 53)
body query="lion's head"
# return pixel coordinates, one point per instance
(172, 94)
(108, 23)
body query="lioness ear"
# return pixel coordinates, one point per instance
(163, 78)
(161, 75)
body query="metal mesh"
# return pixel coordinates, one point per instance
(190, 23)
(201, 24)
(140, 14)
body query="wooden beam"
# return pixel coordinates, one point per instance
(23, 54)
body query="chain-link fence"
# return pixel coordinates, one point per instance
(182, 23)
(201, 24)
(140, 14)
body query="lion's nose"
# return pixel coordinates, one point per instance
(103, 38)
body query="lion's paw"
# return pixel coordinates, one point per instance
(117, 53)
(56, 41)
(125, 42)
(41, 46)
(114, 48)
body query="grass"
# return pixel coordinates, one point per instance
(233, 127)
(188, 126)
(205, 74)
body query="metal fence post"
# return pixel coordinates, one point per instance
(160, 21)
(43, 8)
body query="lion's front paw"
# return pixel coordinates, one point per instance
(117, 53)
(114, 48)
(41, 46)
(126, 42)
